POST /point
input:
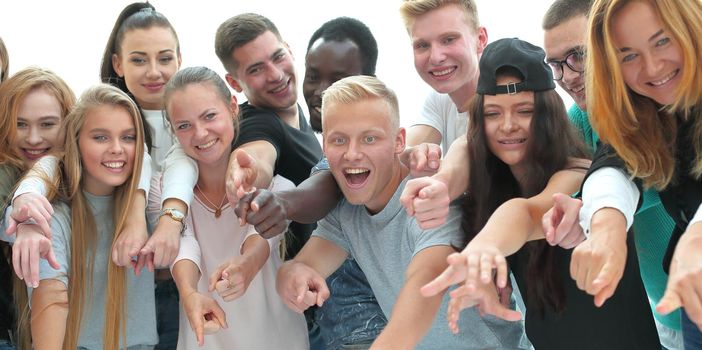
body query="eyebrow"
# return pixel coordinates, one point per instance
(260, 63)
(103, 130)
(144, 53)
(47, 117)
(204, 113)
(580, 48)
(653, 37)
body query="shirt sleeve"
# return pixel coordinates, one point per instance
(153, 206)
(145, 176)
(432, 115)
(45, 166)
(189, 247)
(448, 234)
(263, 126)
(62, 250)
(329, 228)
(608, 188)
(180, 175)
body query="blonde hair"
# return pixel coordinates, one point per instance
(12, 93)
(358, 88)
(411, 9)
(643, 134)
(83, 229)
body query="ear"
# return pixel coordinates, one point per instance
(180, 59)
(400, 140)
(234, 106)
(482, 39)
(117, 65)
(233, 83)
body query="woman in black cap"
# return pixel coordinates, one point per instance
(522, 150)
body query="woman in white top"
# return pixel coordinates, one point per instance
(225, 272)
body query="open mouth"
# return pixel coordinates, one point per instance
(356, 177)
(665, 79)
(114, 166)
(207, 145)
(280, 88)
(512, 141)
(443, 72)
(34, 153)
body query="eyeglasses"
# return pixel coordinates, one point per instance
(574, 60)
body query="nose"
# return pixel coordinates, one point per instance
(569, 75)
(275, 73)
(652, 65)
(200, 132)
(116, 146)
(508, 125)
(353, 151)
(34, 136)
(153, 72)
(437, 55)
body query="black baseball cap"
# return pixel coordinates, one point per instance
(526, 58)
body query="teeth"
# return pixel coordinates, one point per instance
(280, 88)
(207, 145)
(578, 88)
(114, 165)
(35, 151)
(511, 142)
(318, 109)
(356, 171)
(443, 72)
(664, 80)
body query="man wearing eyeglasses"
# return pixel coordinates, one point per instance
(565, 28)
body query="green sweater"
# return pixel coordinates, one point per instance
(652, 227)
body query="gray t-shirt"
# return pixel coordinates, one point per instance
(384, 245)
(141, 310)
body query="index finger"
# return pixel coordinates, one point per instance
(440, 283)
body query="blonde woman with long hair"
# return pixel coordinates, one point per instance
(644, 86)
(89, 302)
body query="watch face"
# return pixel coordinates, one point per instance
(175, 214)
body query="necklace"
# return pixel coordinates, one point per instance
(218, 209)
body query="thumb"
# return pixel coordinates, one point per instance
(215, 277)
(12, 227)
(669, 302)
(243, 158)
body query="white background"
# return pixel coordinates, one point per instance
(69, 36)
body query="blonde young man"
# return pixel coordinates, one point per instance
(447, 42)
(369, 224)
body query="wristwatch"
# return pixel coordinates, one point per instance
(176, 215)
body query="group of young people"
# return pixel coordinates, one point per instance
(155, 211)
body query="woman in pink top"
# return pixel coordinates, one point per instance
(225, 272)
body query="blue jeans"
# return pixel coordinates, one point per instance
(167, 309)
(352, 315)
(692, 337)
(6, 345)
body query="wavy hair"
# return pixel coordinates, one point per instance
(642, 133)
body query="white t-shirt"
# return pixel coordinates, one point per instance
(161, 138)
(441, 113)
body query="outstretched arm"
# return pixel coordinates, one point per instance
(309, 202)
(413, 314)
(49, 314)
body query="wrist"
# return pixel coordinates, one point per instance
(608, 222)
